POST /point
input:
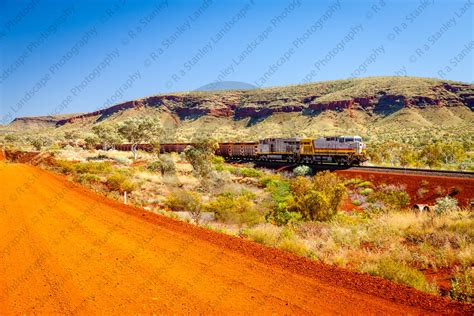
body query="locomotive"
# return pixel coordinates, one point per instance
(346, 150)
(342, 150)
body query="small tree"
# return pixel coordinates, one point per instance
(39, 142)
(140, 130)
(408, 156)
(432, 154)
(11, 138)
(452, 152)
(461, 285)
(235, 209)
(91, 141)
(107, 134)
(318, 198)
(389, 197)
(185, 201)
(445, 205)
(200, 156)
(155, 146)
(165, 165)
(120, 182)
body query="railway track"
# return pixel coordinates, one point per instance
(412, 171)
(426, 172)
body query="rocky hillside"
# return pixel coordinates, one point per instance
(353, 105)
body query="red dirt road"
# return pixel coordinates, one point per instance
(64, 249)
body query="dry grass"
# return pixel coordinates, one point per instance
(397, 246)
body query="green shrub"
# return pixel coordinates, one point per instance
(356, 202)
(293, 244)
(279, 189)
(154, 166)
(165, 165)
(366, 191)
(87, 178)
(302, 171)
(399, 272)
(268, 179)
(218, 160)
(364, 184)
(218, 163)
(66, 167)
(11, 138)
(280, 215)
(39, 142)
(200, 155)
(318, 198)
(273, 236)
(119, 182)
(54, 148)
(461, 285)
(393, 197)
(353, 181)
(250, 172)
(445, 205)
(235, 209)
(93, 167)
(185, 201)
(266, 234)
(91, 141)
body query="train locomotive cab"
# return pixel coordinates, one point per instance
(353, 142)
(353, 149)
(343, 150)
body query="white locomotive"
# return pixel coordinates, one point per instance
(348, 150)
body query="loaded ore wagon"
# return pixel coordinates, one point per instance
(244, 151)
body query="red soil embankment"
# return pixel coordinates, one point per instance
(422, 189)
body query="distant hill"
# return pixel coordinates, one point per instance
(366, 106)
(38, 122)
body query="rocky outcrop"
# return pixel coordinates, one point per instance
(255, 112)
(188, 113)
(102, 113)
(339, 105)
(422, 102)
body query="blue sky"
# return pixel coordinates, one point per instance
(78, 56)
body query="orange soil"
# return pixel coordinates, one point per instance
(64, 249)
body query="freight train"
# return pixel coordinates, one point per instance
(342, 150)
